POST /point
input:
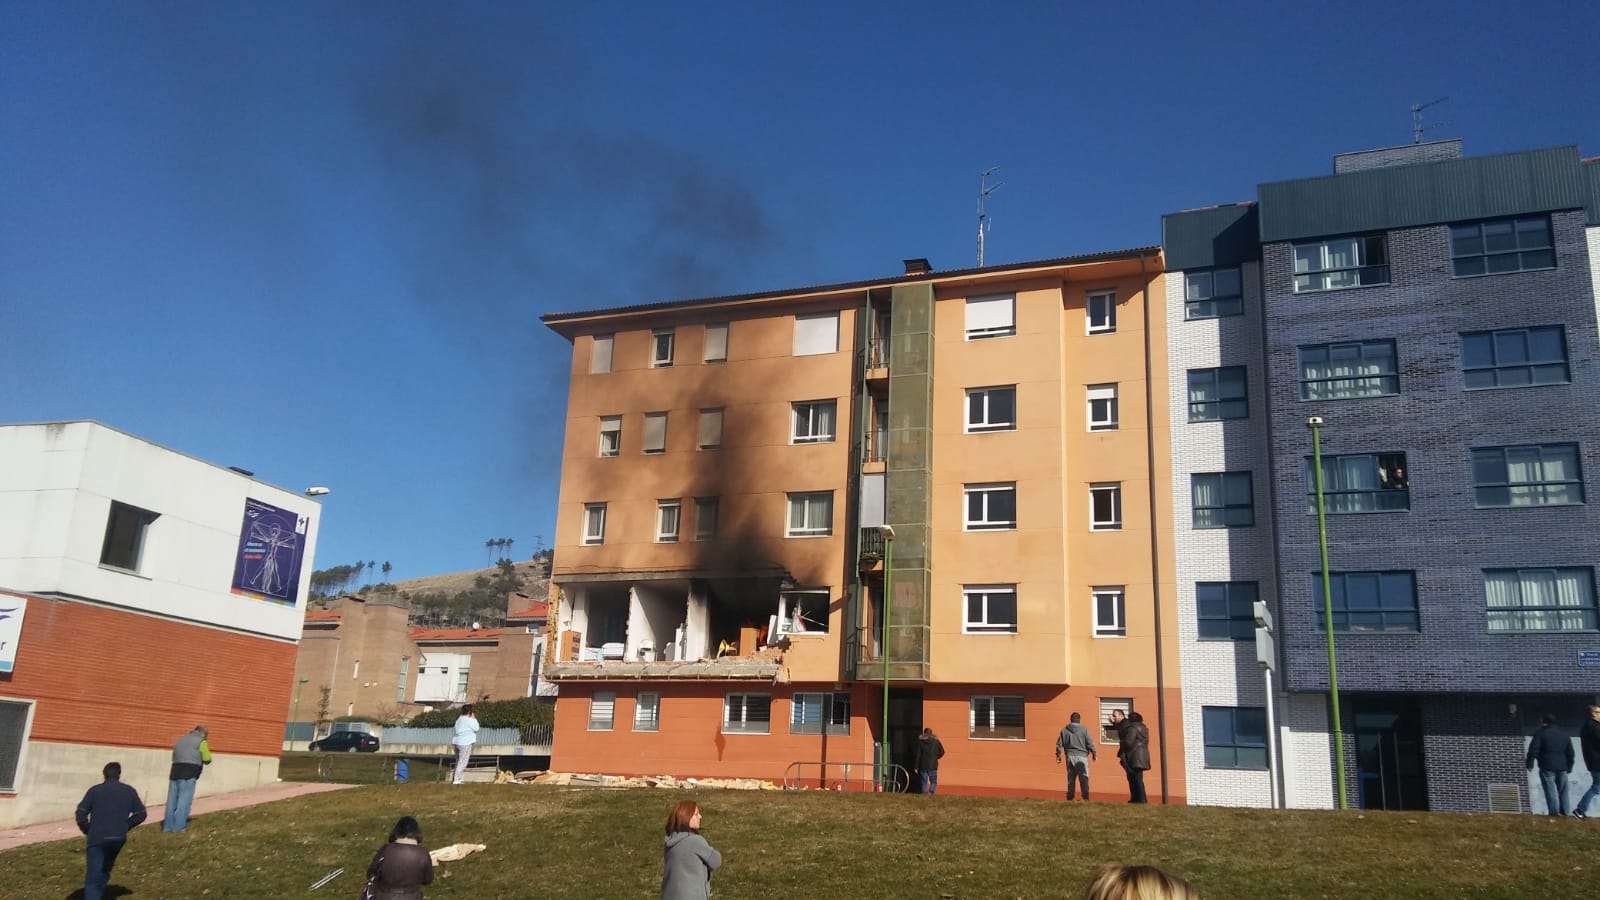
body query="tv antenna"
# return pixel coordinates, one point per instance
(984, 190)
(1416, 118)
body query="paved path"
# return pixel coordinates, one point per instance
(68, 829)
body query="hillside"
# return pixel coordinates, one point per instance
(532, 574)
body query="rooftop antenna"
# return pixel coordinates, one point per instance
(984, 190)
(1416, 118)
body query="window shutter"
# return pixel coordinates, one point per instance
(600, 359)
(655, 432)
(710, 428)
(816, 334)
(716, 342)
(991, 315)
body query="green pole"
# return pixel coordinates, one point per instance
(1327, 609)
(888, 608)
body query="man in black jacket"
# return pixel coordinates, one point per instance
(105, 814)
(929, 752)
(1589, 738)
(1552, 750)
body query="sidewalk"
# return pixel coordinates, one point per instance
(68, 829)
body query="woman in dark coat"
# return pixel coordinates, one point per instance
(1134, 737)
(401, 867)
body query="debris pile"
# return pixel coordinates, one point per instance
(564, 779)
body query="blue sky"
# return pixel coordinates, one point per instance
(314, 239)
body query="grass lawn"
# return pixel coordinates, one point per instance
(548, 842)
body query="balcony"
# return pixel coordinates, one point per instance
(871, 549)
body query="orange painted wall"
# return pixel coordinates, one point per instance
(106, 676)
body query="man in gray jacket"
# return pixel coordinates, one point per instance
(1076, 742)
(190, 755)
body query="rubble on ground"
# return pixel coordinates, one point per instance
(576, 779)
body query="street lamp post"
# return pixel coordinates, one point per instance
(1327, 608)
(888, 607)
(296, 715)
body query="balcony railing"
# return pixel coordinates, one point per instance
(878, 353)
(871, 543)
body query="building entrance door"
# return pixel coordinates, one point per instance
(905, 727)
(1389, 770)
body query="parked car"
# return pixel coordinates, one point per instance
(348, 741)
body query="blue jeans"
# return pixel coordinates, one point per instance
(98, 860)
(1555, 786)
(930, 781)
(180, 795)
(1590, 794)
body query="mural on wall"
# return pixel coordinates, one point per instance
(12, 609)
(271, 542)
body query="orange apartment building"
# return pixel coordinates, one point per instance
(728, 469)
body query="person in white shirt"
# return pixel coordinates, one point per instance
(466, 736)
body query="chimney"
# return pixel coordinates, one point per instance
(918, 266)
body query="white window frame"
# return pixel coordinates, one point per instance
(986, 491)
(649, 419)
(1114, 490)
(985, 623)
(808, 501)
(669, 521)
(663, 351)
(1105, 416)
(811, 606)
(991, 316)
(611, 426)
(1531, 600)
(710, 431)
(1116, 625)
(603, 711)
(601, 350)
(593, 536)
(1108, 705)
(980, 417)
(647, 711)
(705, 518)
(716, 343)
(992, 731)
(1100, 312)
(744, 724)
(816, 334)
(803, 421)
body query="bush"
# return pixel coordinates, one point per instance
(518, 713)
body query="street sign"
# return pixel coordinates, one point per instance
(1589, 658)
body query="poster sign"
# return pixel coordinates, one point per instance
(12, 608)
(1589, 658)
(271, 547)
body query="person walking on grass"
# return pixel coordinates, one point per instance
(105, 815)
(929, 751)
(1134, 738)
(687, 859)
(466, 735)
(190, 755)
(401, 867)
(1589, 740)
(1551, 750)
(1078, 745)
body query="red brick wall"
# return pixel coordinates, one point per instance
(107, 676)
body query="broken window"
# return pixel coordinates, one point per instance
(820, 714)
(803, 612)
(747, 714)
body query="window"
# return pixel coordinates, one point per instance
(1110, 612)
(1514, 357)
(817, 333)
(996, 719)
(13, 734)
(668, 514)
(819, 714)
(400, 684)
(1360, 483)
(1212, 294)
(1501, 245)
(1102, 407)
(594, 523)
(1338, 263)
(1222, 500)
(705, 518)
(991, 608)
(1369, 601)
(647, 711)
(126, 527)
(1349, 370)
(811, 515)
(610, 435)
(992, 409)
(1101, 309)
(747, 714)
(1540, 599)
(1225, 610)
(989, 317)
(1528, 475)
(661, 346)
(655, 432)
(803, 612)
(1109, 705)
(813, 422)
(1105, 506)
(1217, 394)
(1235, 736)
(717, 342)
(600, 354)
(710, 428)
(602, 710)
(463, 675)
(991, 507)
